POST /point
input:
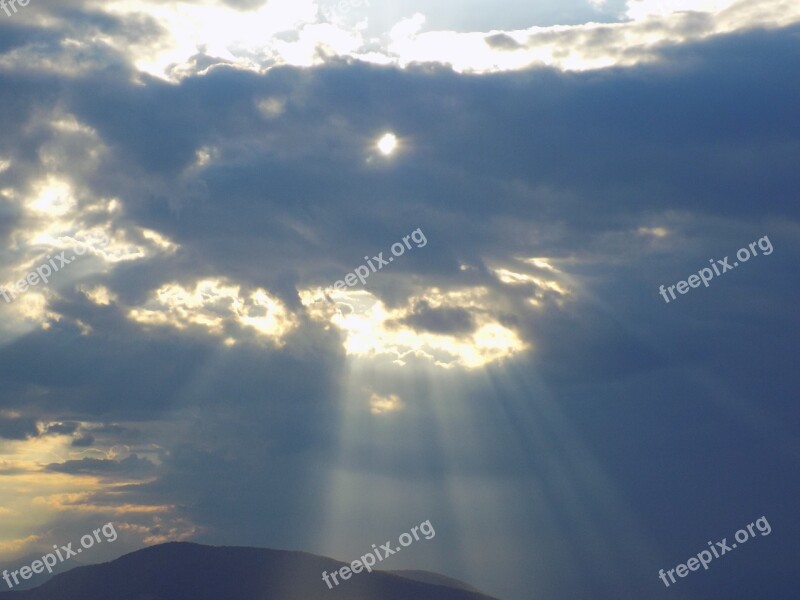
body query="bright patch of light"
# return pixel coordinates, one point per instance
(159, 240)
(54, 221)
(658, 232)
(387, 144)
(541, 263)
(265, 314)
(218, 307)
(54, 198)
(24, 481)
(373, 331)
(99, 295)
(202, 157)
(271, 108)
(379, 405)
(293, 32)
(221, 31)
(547, 284)
(512, 278)
(317, 42)
(69, 123)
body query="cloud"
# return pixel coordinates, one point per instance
(475, 372)
(439, 320)
(17, 427)
(84, 441)
(173, 40)
(439, 332)
(379, 405)
(133, 466)
(503, 41)
(217, 307)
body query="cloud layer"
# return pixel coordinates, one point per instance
(518, 381)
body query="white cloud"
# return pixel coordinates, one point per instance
(295, 32)
(218, 307)
(373, 330)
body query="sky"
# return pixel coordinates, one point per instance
(197, 177)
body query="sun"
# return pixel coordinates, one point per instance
(387, 144)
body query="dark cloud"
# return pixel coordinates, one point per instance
(62, 428)
(114, 430)
(453, 321)
(503, 41)
(622, 404)
(133, 466)
(83, 441)
(18, 428)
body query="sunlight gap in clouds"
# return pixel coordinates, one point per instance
(57, 216)
(220, 31)
(35, 498)
(545, 282)
(219, 307)
(293, 32)
(373, 330)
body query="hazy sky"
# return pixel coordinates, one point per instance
(516, 379)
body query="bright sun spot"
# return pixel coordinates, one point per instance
(387, 144)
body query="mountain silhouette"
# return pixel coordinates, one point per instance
(186, 571)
